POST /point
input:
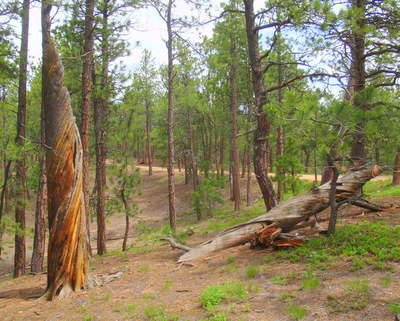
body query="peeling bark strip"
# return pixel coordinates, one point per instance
(67, 252)
(287, 215)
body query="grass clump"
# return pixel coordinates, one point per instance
(355, 297)
(252, 271)
(296, 311)
(157, 313)
(310, 281)
(284, 279)
(395, 307)
(287, 296)
(213, 295)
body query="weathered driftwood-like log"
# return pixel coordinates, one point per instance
(67, 251)
(285, 216)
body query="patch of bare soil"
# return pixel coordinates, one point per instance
(153, 279)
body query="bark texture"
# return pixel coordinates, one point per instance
(171, 144)
(234, 127)
(67, 251)
(87, 67)
(262, 121)
(286, 216)
(20, 248)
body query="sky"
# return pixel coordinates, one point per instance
(148, 32)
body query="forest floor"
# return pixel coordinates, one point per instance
(354, 275)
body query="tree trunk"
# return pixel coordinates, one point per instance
(235, 164)
(3, 199)
(244, 163)
(286, 216)
(221, 155)
(171, 144)
(357, 80)
(20, 249)
(67, 251)
(307, 156)
(396, 169)
(40, 212)
(262, 129)
(280, 170)
(87, 70)
(148, 138)
(248, 181)
(101, 114)
(126, 207)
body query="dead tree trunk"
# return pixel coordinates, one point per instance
(67, 251)
(285, 216)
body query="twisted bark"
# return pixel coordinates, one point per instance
(67, 251)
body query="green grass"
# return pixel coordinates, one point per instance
(310, 281)
(365, 243)
(213, 295)
(252, 271)
(296, 311)
(395, 307)
(284, 279)
(381, 188)
(287, 296)
(354, 297)
(158, 313)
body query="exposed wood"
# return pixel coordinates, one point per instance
(286, 215)
(67, 251)
(175, 244)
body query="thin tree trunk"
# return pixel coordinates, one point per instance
(235, 163)
(148, 138)
(280, 170)
(40, 222)
(126, 207)
(3, 199)
(262, 129)
(244, 163)
(67, 251)
(221, 155)
(101, 114)
(171, 145)
(396, 169)
(87, 85)
(186, 168)
(248, 181)
(20, 248)
(307, 155)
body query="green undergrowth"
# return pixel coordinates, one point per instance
(365, 243)
(381, 188)
(229, 291)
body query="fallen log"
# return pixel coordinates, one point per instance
(285, 217)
